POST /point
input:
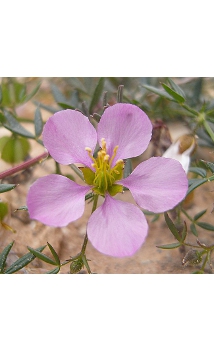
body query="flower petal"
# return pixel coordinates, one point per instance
(55, 200)
(117, 228)
(66, 134)
(158, 184)
(128, 127)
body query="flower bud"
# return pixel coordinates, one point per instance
(76, 266)
(192, 258)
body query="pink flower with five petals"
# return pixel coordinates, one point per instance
(115, 228)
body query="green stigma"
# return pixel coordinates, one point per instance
(104, 178)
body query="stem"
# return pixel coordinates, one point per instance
(77, 171)
(24, 165)
(185, 213)
(192, 111)
(86, 236)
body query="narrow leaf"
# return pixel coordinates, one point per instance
(3, 256)
(42, 256)
(22, 262)
(172, 93)
(54, 271)
(176, 88)
(206, 226)
(193, 229)
(172, 227)
(38, 123)
(57, 94)
(184, 232)
(195, 183)
(159, 92)
(13, 125)
(199, 171)
(46, 107)
(97, 94)
(6, 187)
(31, 94)
(65, 105)
(199, 215)
(169, 246)
(55, 255)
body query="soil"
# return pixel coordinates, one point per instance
(67, 241)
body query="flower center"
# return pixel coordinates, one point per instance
(104, 178)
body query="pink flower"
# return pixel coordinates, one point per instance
(115, 228)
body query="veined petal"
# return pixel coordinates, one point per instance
(117, 228)
(55, 200)
(128, 127)
(66, 134)
(158, 184)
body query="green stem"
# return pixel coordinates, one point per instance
(86, 236)
(192, 111)
(185, 213)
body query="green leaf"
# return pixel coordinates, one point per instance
(172, 227)
(22, 262)
(193, 229)
(65, 105)
(169, 246)
(176, 88)
(3, 256)
(3, 210)
(13, 125)
(42, 256)
(54, 271)
(206, 226)
(184, 232)
(38, 123)
(15, 150)
(19, 91)
(97, 94)
(6, 187)
(174, 94)
(199, 171)
(195, 183)
(199, 215)
(31, 94)
(46, 107)
(159, 92)
(55, 255)
(57, 94)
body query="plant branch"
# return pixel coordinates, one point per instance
(24, 165)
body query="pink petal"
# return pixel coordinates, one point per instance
(158, 184)
(117, 228)
(55, 200)
(66, 134)
(128, 127)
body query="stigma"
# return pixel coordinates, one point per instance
(105, 175)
